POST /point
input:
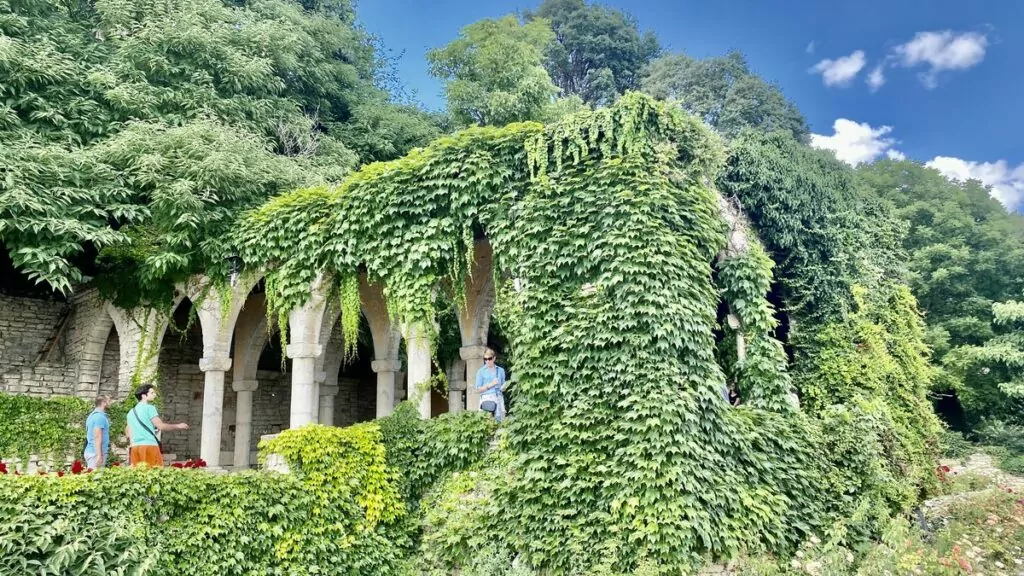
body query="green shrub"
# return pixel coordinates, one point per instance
(197, 523)
(1013, 465)
(953, 444)
(341, 510)
(41, 538)
(51, 428)
(423, 451)
(999, 433)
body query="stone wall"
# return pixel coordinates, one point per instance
(110, 364)
(356, 401)
(180, 387)
(27, 325)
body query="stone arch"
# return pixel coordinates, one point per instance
(386, 338)
(475, 323)
(90, 366)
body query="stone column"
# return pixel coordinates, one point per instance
(456, 386)
(327, 394)
(417, 347)
(303, 357)
(318, 381)
(385, 370)
(243, 420)
(474, 357)
(213, 408)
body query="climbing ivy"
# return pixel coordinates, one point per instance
(762, 376)
(605, 231)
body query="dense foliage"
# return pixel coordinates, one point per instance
(51, 428)
(341, 511)
(822, 231)
(493, 72)
(148, 126)
(618, 401)
(598, 53)
(724, 93)
(965, 254)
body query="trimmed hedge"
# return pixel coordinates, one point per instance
(343, 510)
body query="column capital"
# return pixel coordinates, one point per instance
(303, 350)
(472, 352)
(328, 391)
(215, 364)
(245, 385)
(457, 385)
(386, 365)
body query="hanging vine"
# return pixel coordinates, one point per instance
(604, 229)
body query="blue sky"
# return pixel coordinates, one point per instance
(952, 86)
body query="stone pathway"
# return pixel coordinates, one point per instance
(982, 465)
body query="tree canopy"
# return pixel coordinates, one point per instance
(148, 126)
(493, 72)
(965, 253)
(598, 52)
(725, 93)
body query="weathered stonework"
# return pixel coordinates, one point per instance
(213, 375)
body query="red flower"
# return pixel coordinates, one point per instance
(115, 464)
(3, 468)
(76, 467)
(177, 465)
(200, 463)
(60, 473)
(88, 470)
(944, 468)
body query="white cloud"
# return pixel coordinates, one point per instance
(1007, 184)
(810, 48)
(893, 154)
(876, 78)
(840, 71)
(941, 50)
(855, 142)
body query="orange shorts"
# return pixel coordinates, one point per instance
(149, 455)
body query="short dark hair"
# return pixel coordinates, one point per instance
(100, 400)
(143, 390)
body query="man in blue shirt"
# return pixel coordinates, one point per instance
(490, 379)
(97, 435)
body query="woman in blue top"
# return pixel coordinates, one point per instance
(490, 379)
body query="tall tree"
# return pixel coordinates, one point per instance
(149, 125)
(598, 53)
(725, 93)
(493, 71)
(824, 233)
(965, 253)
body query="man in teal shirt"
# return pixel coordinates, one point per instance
(97, 435)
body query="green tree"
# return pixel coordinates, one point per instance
(725, 93)
(965, 253)
(598, 53)
(493, 72)
(825, 234)
(149, 126)
(995, 369)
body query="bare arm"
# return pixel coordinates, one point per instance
(166, 426)
(97, 441)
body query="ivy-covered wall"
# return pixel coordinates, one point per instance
(606, 235)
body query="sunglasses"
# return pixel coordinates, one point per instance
(488, 358)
